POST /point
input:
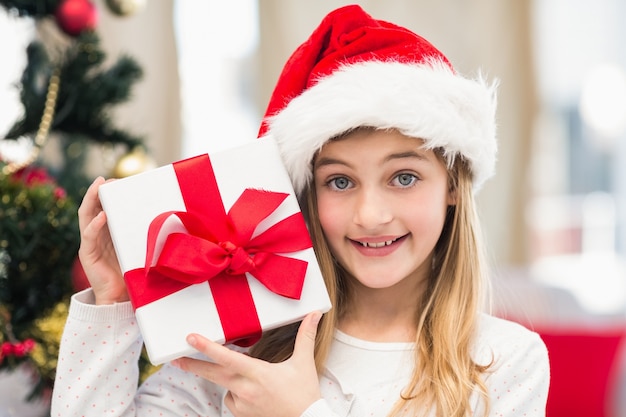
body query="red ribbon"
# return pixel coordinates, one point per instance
(219, 249)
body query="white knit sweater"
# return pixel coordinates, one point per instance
(97, 372)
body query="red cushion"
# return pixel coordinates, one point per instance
(583, 365)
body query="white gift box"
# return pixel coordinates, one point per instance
(132, 203)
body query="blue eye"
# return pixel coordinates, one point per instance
(339, 183)
(405, 179)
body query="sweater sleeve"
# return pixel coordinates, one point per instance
(519, 378)
(97, 370)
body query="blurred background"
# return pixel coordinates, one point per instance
(179, 78)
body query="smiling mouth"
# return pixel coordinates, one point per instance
(377, 244)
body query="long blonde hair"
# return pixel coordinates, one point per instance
(445, 375)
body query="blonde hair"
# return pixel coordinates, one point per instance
(445, 375)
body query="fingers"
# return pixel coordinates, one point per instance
(90, 206)
(96, 251)
(91, 220)
(218, 353)
(226, 365)
(304, 346)
(89, 237)
(238, 363)
(305, 340)
(95, 225)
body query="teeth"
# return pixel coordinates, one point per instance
(377, 244)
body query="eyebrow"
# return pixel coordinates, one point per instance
(320, 162)
(407, 154)
(400, 155)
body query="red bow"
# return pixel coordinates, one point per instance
(219, 248)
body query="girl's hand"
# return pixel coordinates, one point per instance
(96, 251)
(258, 388)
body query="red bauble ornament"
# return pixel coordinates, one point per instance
(76, 16)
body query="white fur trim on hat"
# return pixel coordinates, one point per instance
(426, 100)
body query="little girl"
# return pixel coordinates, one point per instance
(386, 145)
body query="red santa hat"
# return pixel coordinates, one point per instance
(356, 71)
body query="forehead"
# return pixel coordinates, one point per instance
(372, 143)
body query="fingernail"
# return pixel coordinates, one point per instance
(191, 339)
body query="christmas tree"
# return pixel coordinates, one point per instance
(68, 96)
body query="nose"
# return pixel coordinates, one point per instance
(372, 208)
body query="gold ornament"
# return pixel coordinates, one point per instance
(132, 163)
(125, 7)
(44, 126)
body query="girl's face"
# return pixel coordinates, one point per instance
(382, 204)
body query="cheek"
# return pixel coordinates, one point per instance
(330, 215)
(431, 215)
(433, 223)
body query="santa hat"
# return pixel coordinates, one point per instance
(357, 71)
